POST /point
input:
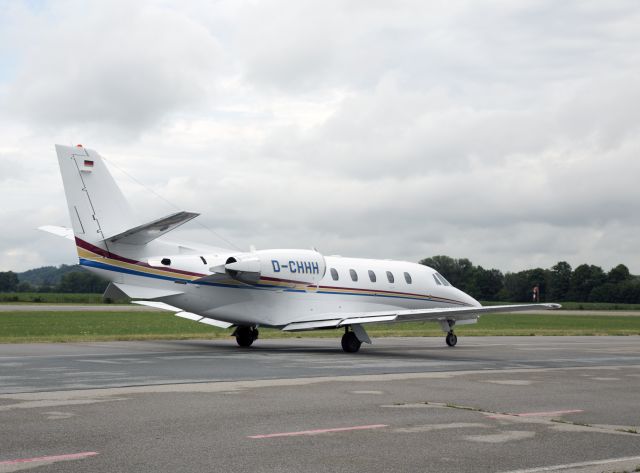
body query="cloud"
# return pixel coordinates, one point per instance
(503, 132)
(110, 65)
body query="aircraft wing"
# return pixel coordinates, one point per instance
(185, 315)
(116, 290)
(459, 314)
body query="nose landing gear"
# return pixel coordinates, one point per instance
(447, 327)
(451, 339)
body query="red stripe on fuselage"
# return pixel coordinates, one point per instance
(99, 251)
(381, 291)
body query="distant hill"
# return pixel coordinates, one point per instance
(48, 275)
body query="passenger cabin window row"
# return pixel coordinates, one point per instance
(372, 276)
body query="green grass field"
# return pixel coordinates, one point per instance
(49, 298)
(27, 327)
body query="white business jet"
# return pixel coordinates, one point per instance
(289, 289)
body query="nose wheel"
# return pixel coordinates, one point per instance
(451, 339)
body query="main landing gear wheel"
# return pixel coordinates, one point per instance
(245, 336)
(451, 339)
(350, 342)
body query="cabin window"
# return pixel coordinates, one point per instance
(407, 277)
(334, 274)
(166, 261)
(437, 280)
(204, 261)
(444, 281)
(372, 276)
(390, 277)
(354, 275)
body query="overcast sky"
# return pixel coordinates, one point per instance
(507, 132)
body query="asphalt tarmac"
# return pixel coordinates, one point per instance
(491, 404)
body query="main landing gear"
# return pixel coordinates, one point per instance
(245, 336)
(353, 337)
(350, 342)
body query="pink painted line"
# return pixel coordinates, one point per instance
(318, 431)
(536, 414)
(52, 458)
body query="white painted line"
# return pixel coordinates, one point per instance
(566, 466)
(549, 413)
(52, 458)
(318, 431)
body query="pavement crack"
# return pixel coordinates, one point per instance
(541, 418)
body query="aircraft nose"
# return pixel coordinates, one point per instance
(464, 297)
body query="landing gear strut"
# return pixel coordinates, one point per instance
(245, 336)
(350, 342)
(451, 339)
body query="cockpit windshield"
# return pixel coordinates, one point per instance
(444, 281)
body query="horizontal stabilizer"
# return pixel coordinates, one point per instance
(185, 315)
(143, 234)
(137, 292)
(59, 231)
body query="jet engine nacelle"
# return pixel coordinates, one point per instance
(287, 266)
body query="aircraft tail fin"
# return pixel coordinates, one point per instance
(100, 214)
(97, 207)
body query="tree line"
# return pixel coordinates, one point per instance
(585, 283)
(72, 280)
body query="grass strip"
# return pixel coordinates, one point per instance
(28, 327)
(49, 298)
